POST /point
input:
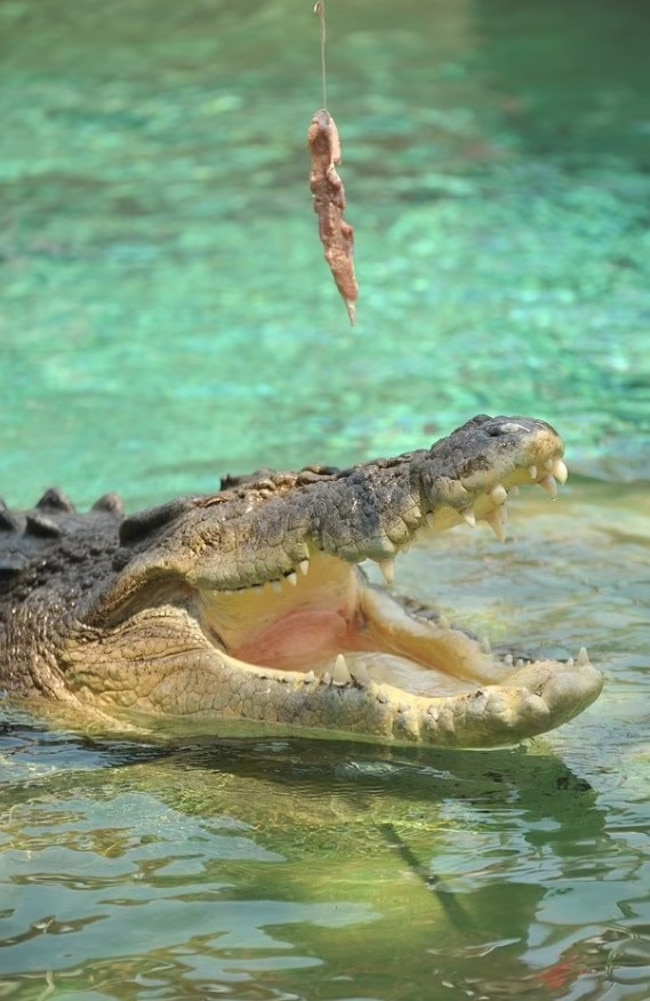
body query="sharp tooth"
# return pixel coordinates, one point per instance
(360, 673)
(485, 646)
(443, 622)
(469, 516)
(277, 586)
(309, 678)
(560, 472)
(303, 566)
(550, 486)
(387, 567)
(499, 494)
(549, 463)
(519, 662)
(495, 521)
(533, 472)
(583, 657)
(292, 578)
(340, 674)
(325, 678)
(508, 660)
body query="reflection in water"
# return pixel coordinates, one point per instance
(320, 870)
(329, 867)
(167, 317)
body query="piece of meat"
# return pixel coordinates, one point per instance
(328, 193)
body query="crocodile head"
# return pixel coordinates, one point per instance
(251, 603)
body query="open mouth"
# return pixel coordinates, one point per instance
(252, 604)
(322, 624)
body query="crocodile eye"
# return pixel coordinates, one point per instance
(507, 427)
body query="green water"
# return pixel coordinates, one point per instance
(166, 317)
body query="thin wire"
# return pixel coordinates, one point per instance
(319, 10)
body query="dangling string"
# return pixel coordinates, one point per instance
(319, 11)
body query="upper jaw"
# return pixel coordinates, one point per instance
(351, 517)
(465, 503)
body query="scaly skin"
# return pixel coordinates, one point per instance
(250, 604)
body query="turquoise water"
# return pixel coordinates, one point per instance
(166, 317)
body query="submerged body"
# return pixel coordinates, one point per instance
(250, 603)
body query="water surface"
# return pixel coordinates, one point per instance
(166, 317)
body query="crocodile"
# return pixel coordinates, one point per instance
(250, 603)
